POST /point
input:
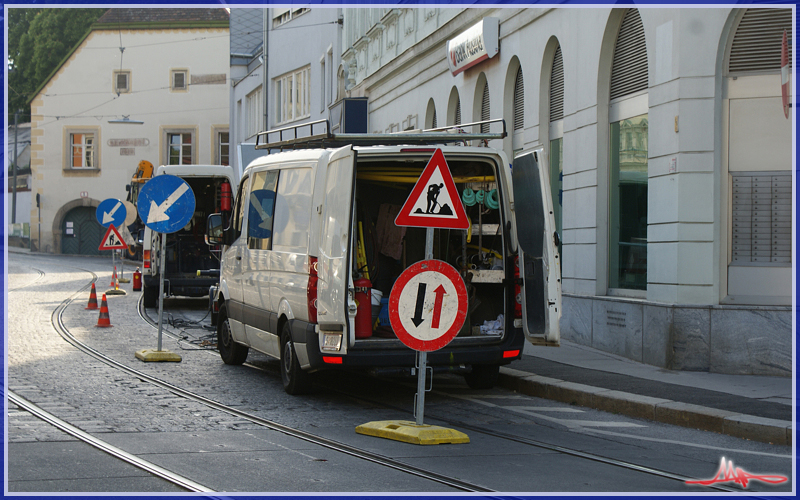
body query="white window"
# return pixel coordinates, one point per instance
(292, 96)
(180, 148)
(179, 79)
(82, 150)
(223, 148)
(283, 16)
(254, 113)
(122, 82)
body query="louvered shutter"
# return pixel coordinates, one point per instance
(756, 45)
(434, 119)
(485, 115)
(557, 88)
(519, 102)
(629, 70)
(458, 111)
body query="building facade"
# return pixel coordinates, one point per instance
(669, 149)
(143, 84)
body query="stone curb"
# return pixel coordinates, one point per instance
(761, 429)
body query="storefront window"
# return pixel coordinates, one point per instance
(628, 204)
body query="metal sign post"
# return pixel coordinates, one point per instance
(423, 355)
(161, 266)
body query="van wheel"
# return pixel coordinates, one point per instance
(295, 380)
(150, 296)
(482, 376)
(230, 352)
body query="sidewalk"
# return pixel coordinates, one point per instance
(747, 406)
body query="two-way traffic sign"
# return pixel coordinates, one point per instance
(166, 203)
(428, 305)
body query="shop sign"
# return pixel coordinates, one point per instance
(475, 45)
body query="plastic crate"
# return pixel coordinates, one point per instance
(383, 317)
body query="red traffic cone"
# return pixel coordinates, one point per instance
(92, 299)
(113, 276)
(104, 320)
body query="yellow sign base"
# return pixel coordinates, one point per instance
(153, 355)
(115, 291)
(410, 432)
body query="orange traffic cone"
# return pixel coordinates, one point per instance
(113, 276)
(104, 320)
(92, 299)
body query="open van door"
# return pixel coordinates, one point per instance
(538, 247)
(335, 308)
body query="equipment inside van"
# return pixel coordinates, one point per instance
(312, 252)
(191, 266)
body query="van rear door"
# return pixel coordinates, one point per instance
(335, 308)
(538, 259)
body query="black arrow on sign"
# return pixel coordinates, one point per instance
(417, 319)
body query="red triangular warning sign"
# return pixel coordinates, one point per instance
(434, 201)
(112, 240)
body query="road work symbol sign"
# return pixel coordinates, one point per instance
(428, 305)
(434, 201)
(111, 212)
(112, 240)
(166, 203)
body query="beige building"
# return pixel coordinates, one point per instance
(143, 84)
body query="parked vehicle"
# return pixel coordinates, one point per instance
(313, 227)
(191, 266)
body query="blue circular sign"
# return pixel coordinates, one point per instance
(111, 211)
(166, 203)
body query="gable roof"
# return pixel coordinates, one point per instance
(142, 19)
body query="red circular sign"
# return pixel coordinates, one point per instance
(428, 305)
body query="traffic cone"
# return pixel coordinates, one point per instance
(92, 299)
(113, 276)
(104, 320)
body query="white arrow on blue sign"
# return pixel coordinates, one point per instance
(111, 211)
(166, 203)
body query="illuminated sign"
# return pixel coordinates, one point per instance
(473, 46)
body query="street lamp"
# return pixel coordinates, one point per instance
(126, 119)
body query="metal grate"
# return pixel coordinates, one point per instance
(458, 111)
(756, 46)
(519, 102)
(629, 70)
(485, 108)
(557, 87)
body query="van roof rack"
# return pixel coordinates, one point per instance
(317, 134)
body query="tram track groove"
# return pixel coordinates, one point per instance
(63, 331)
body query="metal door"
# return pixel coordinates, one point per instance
(80, 232)
(538, 258)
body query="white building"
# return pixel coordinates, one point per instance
(669, 152)
(165, 73)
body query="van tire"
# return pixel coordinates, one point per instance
(149, 296)
(482, 376)
(295, 380)
(231, 352)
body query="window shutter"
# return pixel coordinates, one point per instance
(557, 87)
(434, 125)
(629, 70)
(485, 115)
(757, 43)
(458, 112)
(519, 102)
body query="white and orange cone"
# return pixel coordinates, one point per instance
(92, 299)
(104, 321)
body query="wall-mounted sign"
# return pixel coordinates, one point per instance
(475, 45)
(128, 143)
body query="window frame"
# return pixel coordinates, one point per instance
(219, 145)
(176, 71)
(291, 105)
(271, 179)
(69, 133)
(165, 149)
(115, 80)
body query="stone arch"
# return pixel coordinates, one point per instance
(58, 219)
(514, 139)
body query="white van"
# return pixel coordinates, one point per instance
(214, 188)
(310, 225)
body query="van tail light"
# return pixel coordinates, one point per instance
(311, 291)
(517, 290)
(511, 354)
(146, 259)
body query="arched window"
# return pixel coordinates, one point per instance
(628, 157)
(519, 101)
(557, 139)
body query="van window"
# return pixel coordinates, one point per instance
(293, 210)
(238, 215)
(262, 206)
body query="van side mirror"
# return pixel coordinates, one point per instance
(215, 230)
